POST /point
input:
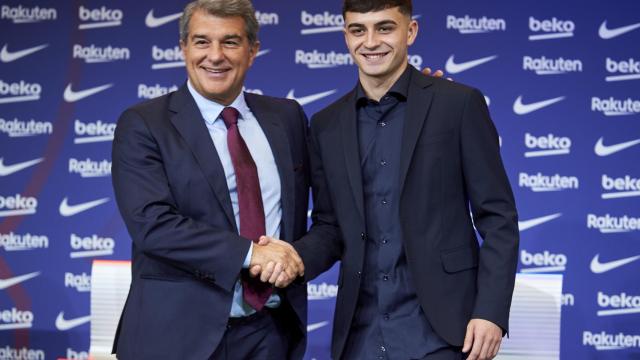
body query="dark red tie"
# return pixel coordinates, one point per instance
(255, 292)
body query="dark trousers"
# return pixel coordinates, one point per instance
(258, 336)
(449, 353)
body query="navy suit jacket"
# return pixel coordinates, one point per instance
(187, 255)
(450, 163)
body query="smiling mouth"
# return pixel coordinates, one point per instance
(215, 71)
(374, 56)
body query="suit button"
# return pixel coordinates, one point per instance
(363, 237)
(385, 316)
(359, 274)
(385, 277)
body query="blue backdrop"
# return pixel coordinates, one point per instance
(561, 77)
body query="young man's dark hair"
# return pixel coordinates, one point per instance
(363, 6)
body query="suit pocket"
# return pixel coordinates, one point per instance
(458, 259)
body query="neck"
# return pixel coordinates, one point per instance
(376, 87)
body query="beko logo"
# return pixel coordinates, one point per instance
(544, 66)
(89, 168)
(23, 242)
(77, 355)
(608, 224)
(322, 291)
(91, 132)
(166, 58)
(542, 262)
(15, 319)
(153, 91)
(620, 304)
(94, 54)
(17, 205)
(19, 92)
(91, 246)
(543, 183)
(625, 69)
(603, 341)
(550, 29)
(21, 15)
(80, 282)
(469, 25)
(549, 145)
(321, 23)
(265, 18)
(16, 128)
(24, 353)
(319, 60)
(99, 18)
(615, 107)
(626, 186)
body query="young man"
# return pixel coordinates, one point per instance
(395, 166)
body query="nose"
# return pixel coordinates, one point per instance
(372, 41)
(215, 53)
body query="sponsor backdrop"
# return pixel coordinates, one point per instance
(561, 79)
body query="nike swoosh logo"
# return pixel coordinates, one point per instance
(528, 224)
(10, 169)
(62, 324)
(454, 68)
(6, 283)
(522, 109)
(70, 210)
(316, 326)
(304, 100)
(602, 149)
(73, 96)
(263, 52)
(6, 56)
(153, 22)
(598, 268)
(606, 33)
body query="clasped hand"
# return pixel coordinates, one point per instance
(275, 261)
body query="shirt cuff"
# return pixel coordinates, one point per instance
(247, 260)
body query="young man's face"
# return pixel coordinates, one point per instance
(379, 41)
(217, 55)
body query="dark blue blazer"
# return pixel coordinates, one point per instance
(186, 257)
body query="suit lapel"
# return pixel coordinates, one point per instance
(349, 134)
(279, 142)
(418, 103)
(188, 120)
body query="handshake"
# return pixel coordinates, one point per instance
(275, 261)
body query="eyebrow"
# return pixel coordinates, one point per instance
(378, 24)
(226, 37)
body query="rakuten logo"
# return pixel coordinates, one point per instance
(568, 299)
(80, 282)
(626, 186)
(265, 18)
(321, 23)
(89, 168)
(550, 29)
(99, 18)
(15, 319)
(91, 132)
(544, 66)
(23, 242)
(544, 262)
(322, 291)
(91, 246)
(621, 304)
(544, 183)
(22, 15)
(166, 58)
(319, 60)
(17, 205)
(19, 92)
(468, 25)
(608, 224)
(16, 128)
(94, 54)
(24, 353)
(153, 91)
(77, 355)
(627, 69)
(603, 341)
(615, 107)
(549, 145)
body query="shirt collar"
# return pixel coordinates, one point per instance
(400, 89)
(211, 110)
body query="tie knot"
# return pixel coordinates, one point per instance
(230, 116)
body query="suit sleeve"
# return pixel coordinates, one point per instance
(151, 215)
(321, 247)
(494, 212)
